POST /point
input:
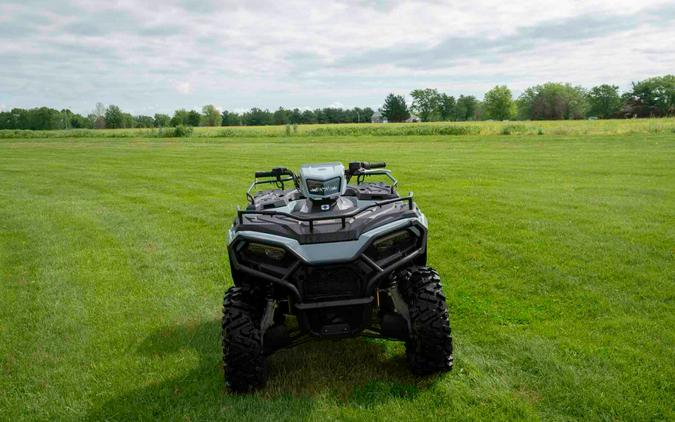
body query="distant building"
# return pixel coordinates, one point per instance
(378, 118)
(413, 119)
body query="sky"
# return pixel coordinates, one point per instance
(152, 56)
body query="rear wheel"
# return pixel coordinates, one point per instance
(243, 358)
(429, 348)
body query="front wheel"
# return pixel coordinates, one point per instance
(429, 349)
(243, 358)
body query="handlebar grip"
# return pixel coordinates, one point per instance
(369, 166)
(276, 172)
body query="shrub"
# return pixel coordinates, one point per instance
(511, 129)
(179, 131)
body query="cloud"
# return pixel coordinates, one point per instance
(183, 88)
(144, 56)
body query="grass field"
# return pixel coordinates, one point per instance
(557, 255)
(555, 128)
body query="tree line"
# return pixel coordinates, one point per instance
(653, 97)
(112, 117)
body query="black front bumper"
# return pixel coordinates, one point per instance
(330, 299)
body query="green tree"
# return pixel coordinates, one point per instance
(210, 116)
(128, 120)
(230, 119)
(193, 118)
(426, 103)
(653, 97)
(257, 117)
(308, 117)
(162, 120)
(604, 101)
(553, 101)
(144, 121)
(498, 103)
(113, 117)
(466, 107)
(295, 116)
(180, 117)
(78, 121)
(395, 109)
(281, 116)
(447, 107)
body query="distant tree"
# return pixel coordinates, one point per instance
(99, 110)
(144, 121)
(395, 109)
(257, 117)
(210, 116)
(180, 117)
(604, 101)
(466, 107)
(653, 97)
(113, 117)
(6, 120)
(295, 116)
(426, 103)
(79, 121)
(162, 120)
(366, 115)
(446, 109)
(498, 103)
(479, 112)
(281, 116)
(44, 118)
(553, 101)
(230, 119)
(128, 120)
(308, 117)
(193, 118)
(96, 122)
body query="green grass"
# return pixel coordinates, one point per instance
(555, 128)
(557, 255)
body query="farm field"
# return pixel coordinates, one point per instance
(556, 254)
(535, 127)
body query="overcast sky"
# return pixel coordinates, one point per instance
(157, 56)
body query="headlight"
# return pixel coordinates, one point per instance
(264, 257)
(392, 246)
(260, 250)
(323, 187)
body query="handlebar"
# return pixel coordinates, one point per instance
(276, 172)
(369, 166)
(355, 166)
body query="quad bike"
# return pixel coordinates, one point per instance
(341, 259)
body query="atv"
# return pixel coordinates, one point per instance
(316, 256)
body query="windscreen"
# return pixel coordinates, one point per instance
(323, 187)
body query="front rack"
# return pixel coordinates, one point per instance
(279, 182)
(311, 220)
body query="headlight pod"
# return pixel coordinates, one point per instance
(324, 187)
(394, 246)
(262, 255)
(260, 250)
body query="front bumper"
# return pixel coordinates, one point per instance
(332, 295)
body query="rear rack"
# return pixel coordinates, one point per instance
(311, 220)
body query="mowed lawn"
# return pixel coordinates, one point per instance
(556, 253)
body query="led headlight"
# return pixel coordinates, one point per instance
(324, 187)
(260, 250)
(393, 245)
